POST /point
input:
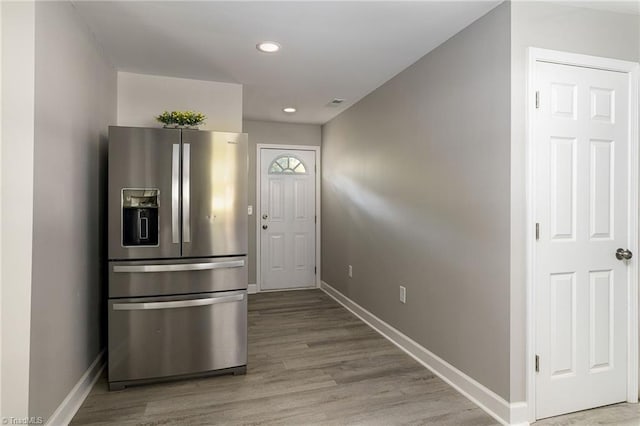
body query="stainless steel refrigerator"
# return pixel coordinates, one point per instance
(177, 218)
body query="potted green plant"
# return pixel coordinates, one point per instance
(181, 119)
(167, 119)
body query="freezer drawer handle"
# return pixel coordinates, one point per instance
(176, 304)
(179, 267)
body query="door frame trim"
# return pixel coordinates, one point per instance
(587, 61)
(317, 150)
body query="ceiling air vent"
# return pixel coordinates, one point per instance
(336, 102)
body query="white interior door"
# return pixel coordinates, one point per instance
(287, 218)
(581, 136)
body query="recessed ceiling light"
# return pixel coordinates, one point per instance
(268, 47)
(289, 110)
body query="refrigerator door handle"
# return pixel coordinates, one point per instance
(175, 194)
(179, 267)
(143, 306)
(186, 192)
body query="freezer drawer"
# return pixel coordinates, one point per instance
(178, 276)
(160, 337)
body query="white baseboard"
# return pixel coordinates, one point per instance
(71, 404)
(253, 288)
(501, 410)
(519, 413)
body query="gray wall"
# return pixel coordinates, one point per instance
(558, 27)
(270, 132)
(415, 192)
(17, 30)
(142, 97)
(75, 100)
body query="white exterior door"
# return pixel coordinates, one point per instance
(287, 219)
(581, 136)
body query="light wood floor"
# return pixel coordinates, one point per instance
(310, 362)
(614, 415)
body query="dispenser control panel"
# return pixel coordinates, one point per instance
(140, 221)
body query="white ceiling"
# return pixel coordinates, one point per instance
(631, 7)
(329, 49)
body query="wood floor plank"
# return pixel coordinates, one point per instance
(311, 362)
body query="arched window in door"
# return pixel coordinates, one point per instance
(287, 164)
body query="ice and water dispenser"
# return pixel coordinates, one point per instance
(140, 225)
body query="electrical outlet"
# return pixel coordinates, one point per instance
(250, 210)
(350, 271)
(403, 294)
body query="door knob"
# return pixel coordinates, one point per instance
(264, 226)
(623, 254)
(265, 216)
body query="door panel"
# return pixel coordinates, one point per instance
(582, 149)
(602, 105)
(601, 208)
(601, 310)
(287, 212)
(276, 199)
(563, 188)
(142, 158)
(300, 246)
(563, 323)
(214, 193)
(300, 187)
